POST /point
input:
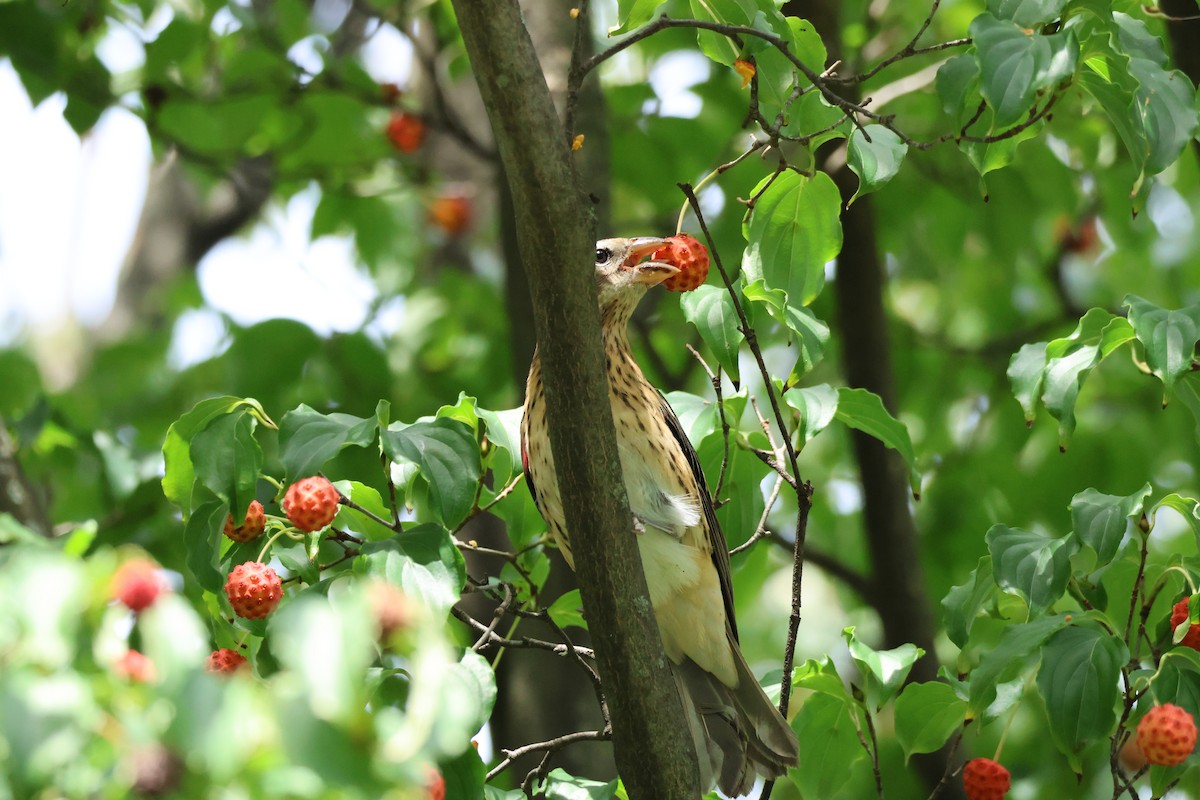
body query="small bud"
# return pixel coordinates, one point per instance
(745, 69)
(574, 13)
(577, 142)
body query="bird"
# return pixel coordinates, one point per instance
(738, 733)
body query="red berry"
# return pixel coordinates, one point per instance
(435, 787)
(138, 584)
(984, 779)
(1167, 735)
(311, 503)
(136, 667)
(406, 131)
(1179, 615)
(690, 256)
(254, 590)
(225, 661)
(251, 528)
(392, 609)
(451, 213)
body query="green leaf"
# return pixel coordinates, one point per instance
(476, 687)
(633, 14)
(228, 460)
(807, 334)
(1187, 391)
(1168, 337)
(504, 430)
(1100, 520)
(202, 538)
(717, 46)
(1027, 13)
(1014, 65)
(559, 785)
(448, 457)
(465, 774)
(957, 82)
(1018, 648)
(1029, 564)
(179, 473)
(927, 715)
(352, 519)
(793, 232)
(877, 161)
(1186, 507)
(820, 676)
(308, 439)
(829, 747)
(711, 310)
(1164, 103)
(883, 671)
(423, 561)
(816, 407)
(567, 610)
(1178, 680)
(1081, 667)
(1025, 372)
(963, 603)
(1070, 360)
(864, 411)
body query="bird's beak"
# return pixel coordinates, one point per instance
(648, 273)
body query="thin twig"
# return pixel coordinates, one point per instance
(762, 531)
(549, 746)
(715, 379)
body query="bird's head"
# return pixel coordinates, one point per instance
(622, 276)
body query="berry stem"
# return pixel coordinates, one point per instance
(277, 484)
(1004, 734)
(262, 553)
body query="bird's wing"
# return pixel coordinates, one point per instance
(525, 468)
(720, 550)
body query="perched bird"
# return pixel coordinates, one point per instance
(738, 733)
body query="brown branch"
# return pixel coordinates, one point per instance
(654, 753)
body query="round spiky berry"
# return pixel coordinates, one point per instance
(984, 779)
(690, 256)
(1179, 615)
(1167, 735)
(252, 526)
(138, 583)
(253, 589)
(311, 503)
(225, 661)
(136, 667)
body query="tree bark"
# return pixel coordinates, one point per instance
(556, 239)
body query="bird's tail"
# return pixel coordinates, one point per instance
(738, 733)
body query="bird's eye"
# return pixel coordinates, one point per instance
(603, 255)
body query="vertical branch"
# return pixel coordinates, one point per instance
(653, 750)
